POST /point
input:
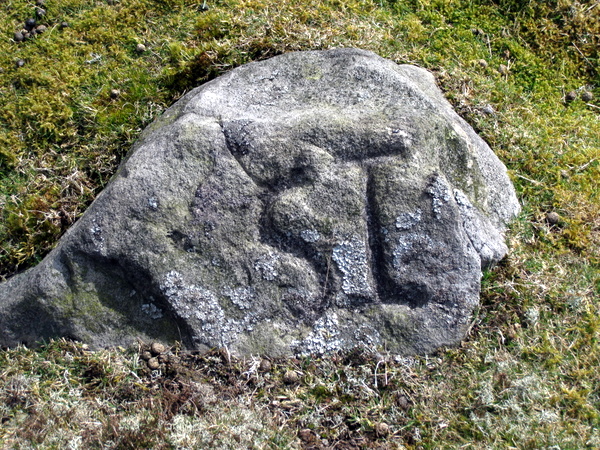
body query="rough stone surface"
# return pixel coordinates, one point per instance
(311, 202)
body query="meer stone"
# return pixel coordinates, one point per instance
(311, 202)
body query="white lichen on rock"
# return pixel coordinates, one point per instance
(241, 296)
(406, 221)
(324, 337)
(440, 194)
(266, 266)
(351, 258)
(310, 235)
(152, 310)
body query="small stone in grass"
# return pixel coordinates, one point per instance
(572, 95)
(140, 48)
(19, 63)
(290, 377)
(18, 37)
(306, 435)
(114, 93)
(40, 12)
(488, 109)
(503, 69)
(153, 364)
(146, 355)
(157, 348)
(40, 2)
(483, 63)
(40, 29)
(403, 402)
(64, 24)
(553, 218)
(30, 24)
(587, 96)
(382, 429)
(265, 365)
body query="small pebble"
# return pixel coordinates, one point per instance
(140, 48)
(203, 7)
(114, 93)
(146, 355)
(30, 24)
(40, 2)
(153, 364)
(382, 429)
(503, 69)
(40, 29)
(306, 435)
(157, 348)
(19, 63)
(40, 12)
(265, 365)
(483, 63)
(18, 36)
(290, 377)
(403, 402)
(553, 218)
(572, 95)
(587, 96)
(488, 109)
(64, 24)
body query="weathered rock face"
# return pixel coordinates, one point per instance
(311, 202)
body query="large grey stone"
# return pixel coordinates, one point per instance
(307, 203)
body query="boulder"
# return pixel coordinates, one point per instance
(311, 202)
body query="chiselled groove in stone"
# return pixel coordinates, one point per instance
(233, 148)
(376, 241)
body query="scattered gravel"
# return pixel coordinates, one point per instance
(488, 109)
(553, 218)
(30, 24)
(265, 366)
(157, 348)
(382, 429)
(290, 377)
(153, 363)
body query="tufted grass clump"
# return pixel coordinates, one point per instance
(524, 74)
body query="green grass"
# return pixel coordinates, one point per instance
(526, 376)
